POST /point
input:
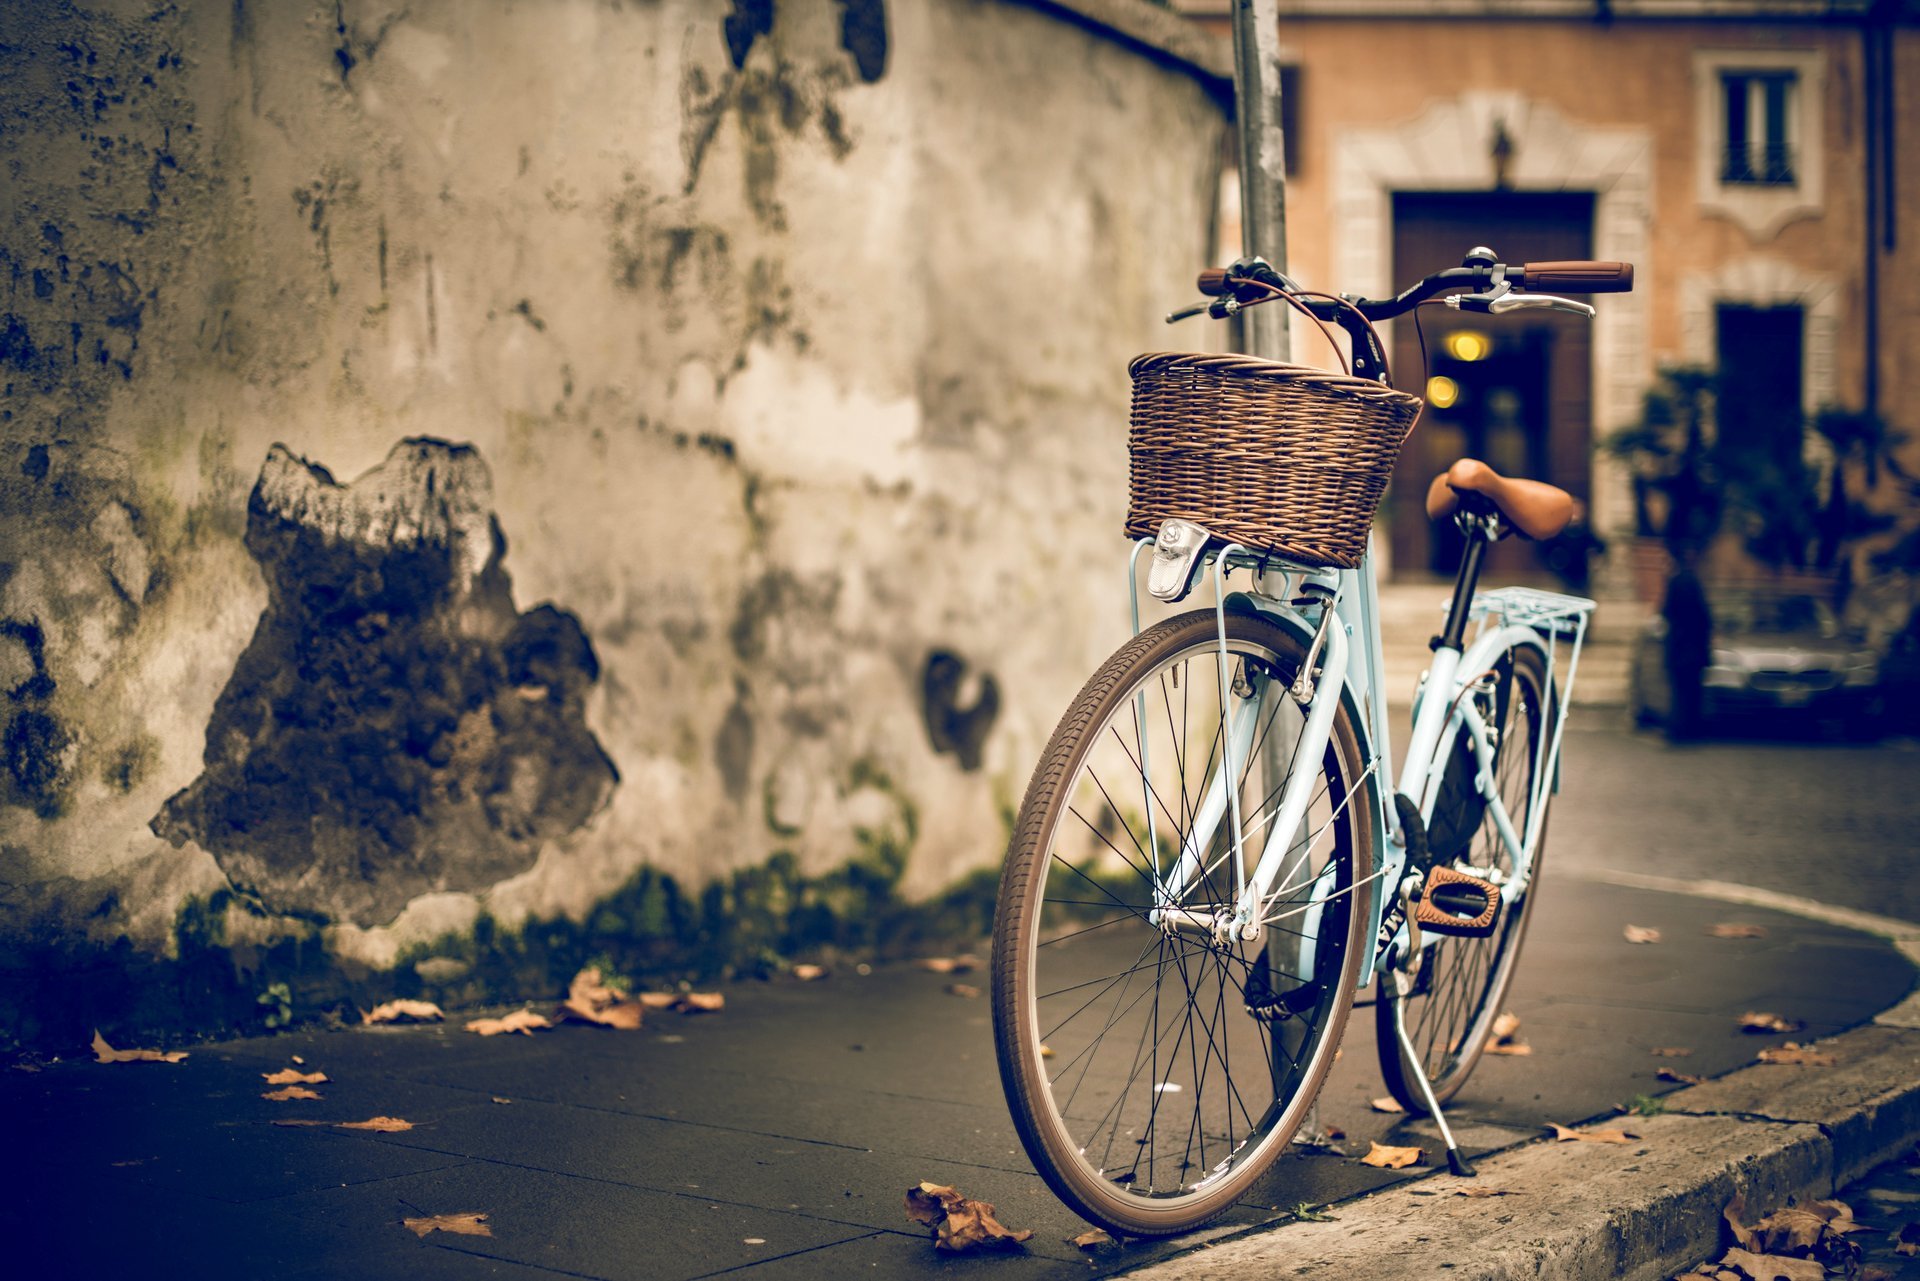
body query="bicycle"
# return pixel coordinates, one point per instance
(1213, 857)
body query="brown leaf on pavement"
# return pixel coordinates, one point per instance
(808, 973)
(950, 964)
(379, 1124)
(1737, 930)
(591, 1000)
(1907, 1239)
(1671, 1051)
(1388, 1104)
(1684, 1078)
(1874, 1272)
(288, 1076)
(700, 1003)
(1795, 1229)
(1571, 1134)
(1091, 1239)
(104, 1053)
(1798, 1055)
(966, 990)
(404, 1012)
(1772, 1267)
(1502, 1041)
(957, 1222)
(472, 1225)
(288, 1092)
(522, 1021)
(1480, 1191)
(1735, 1211)
(1387, 1157)
(1765, 1024)
(1641, 934)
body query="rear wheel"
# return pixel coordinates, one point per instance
(1154, 1073)
(1461, 983)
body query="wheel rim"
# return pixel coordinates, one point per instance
(1159, 1080)
(1451, 1010)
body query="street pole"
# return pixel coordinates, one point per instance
(1263, 165)
(1263, 234)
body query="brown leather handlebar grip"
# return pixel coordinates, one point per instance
(1213, 281)
(1580, 276)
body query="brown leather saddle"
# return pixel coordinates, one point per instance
(1532, 507)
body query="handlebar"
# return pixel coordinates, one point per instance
(1252, 280)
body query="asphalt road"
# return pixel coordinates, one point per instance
(1838, 823)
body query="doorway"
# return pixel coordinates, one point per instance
(1514, 391)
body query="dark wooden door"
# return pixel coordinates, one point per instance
(1520, 384)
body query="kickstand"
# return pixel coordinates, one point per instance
(1456, 1159)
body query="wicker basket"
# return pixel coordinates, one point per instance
(1280, 458)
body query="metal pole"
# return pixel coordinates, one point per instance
(1263, 233)
(1263, 167)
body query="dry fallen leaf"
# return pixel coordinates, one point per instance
(1502, 1042)
(1392, 1158)
(1798, 1055)
(1684, 1078)
(288, 1076)
(379, 1124)
(1480, 1191)
(950, 964)
(288, 1092)
(1092, 1238)
(498, 1099)
(104, 1053)
(472, 1225)
(404, 1012)
(297, 1059)
(1388, 1104)
(1671, 1051)
(1737, 930)
(701, 1002)
(1642, 934)
(1736, 1210)
(1772, 1267)
(966, 990)
(808, 973)
(1761, 1023)
(522, 1021)
(590, 999)
(1907, 1239)
(1570, 1134)
(1334, 1133)
(958, 1223)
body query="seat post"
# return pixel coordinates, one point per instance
(1480, 529)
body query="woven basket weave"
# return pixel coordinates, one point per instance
(1280, 458)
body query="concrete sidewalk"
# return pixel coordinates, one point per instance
(776, 1138)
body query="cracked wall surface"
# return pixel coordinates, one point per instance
(780, 347)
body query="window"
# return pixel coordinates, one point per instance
(1758, 126)
(1760, 135)
(1760, 413)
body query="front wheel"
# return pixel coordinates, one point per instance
(1461, 982)
(1155, 1072)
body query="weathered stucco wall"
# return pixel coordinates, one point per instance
(505, 467)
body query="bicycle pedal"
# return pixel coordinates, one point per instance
(1455, 903)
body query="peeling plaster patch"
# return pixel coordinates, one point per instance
(128, 564)
(863, 33)
(749, 20)
(395, 727)
(951, 727)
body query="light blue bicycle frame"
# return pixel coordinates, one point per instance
(1352, 673)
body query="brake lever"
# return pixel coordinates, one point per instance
(1502, 303)
(1218, 308)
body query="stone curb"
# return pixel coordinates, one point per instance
(1594, 1211)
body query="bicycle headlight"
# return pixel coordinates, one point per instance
(1176, 555)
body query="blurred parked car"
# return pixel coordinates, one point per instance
(1774, 656)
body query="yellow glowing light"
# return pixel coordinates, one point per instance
(1465, 344)
(1442, 391)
